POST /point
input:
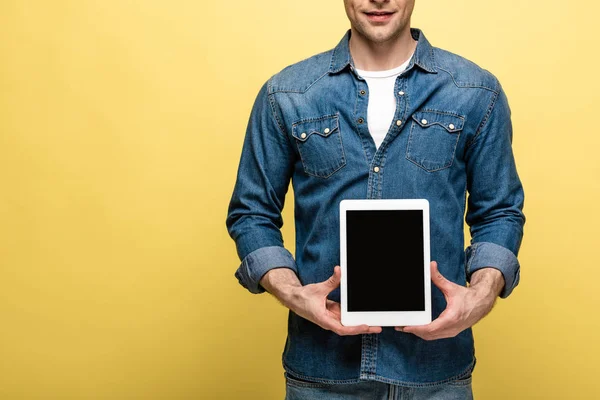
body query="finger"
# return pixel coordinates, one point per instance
(335, 325)
(438, 328)
(335, 312)
(333, 281)
(356, 330)
(438, 279)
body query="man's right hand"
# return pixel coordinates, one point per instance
(310, 301)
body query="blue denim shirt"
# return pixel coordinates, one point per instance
(451, 135)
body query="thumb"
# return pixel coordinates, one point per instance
(334, 280)
(438, 279)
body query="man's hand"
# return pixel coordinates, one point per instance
(465, 305)
(310, 301)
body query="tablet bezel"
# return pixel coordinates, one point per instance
(385, 318)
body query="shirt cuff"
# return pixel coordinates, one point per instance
(486, 254)
(256, 264)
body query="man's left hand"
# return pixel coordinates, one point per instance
(465, 305)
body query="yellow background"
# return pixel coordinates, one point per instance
(121, 125)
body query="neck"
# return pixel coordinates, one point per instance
(370, 56)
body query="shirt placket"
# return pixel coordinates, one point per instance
(377, 165)
(368, 364)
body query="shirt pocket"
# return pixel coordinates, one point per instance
(319, 142)
(433, 138)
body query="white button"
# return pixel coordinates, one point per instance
(399, 122)
(424, 121)
(401, 93)
(303, 135)
(376, 169)
(327, 130)
(451, 126)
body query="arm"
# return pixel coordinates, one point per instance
(254, 217)
(496, 198)
(496, 221)
(254, 222)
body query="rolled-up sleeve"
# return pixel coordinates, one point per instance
(485, 255)
(256, 264)
(254, 218)
(496, 198)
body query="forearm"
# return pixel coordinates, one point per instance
(281, 283)
(488, 284)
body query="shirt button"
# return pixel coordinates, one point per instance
(360, 120)
(399, 122)
(303, 135)
(363, 92)
(451, 126)
(424, 121)
(401, 93)
(376, 169)
(327, 130)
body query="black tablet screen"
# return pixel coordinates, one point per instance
(385, 260)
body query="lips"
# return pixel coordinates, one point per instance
(379, 16)
(378, 12)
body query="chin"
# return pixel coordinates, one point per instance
(379, 36)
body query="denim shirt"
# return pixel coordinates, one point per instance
(451, 135)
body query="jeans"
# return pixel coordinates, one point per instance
(371, 390)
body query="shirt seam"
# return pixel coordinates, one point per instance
(484, 121)
(379, 378)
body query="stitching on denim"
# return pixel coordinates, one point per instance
(272, 104)
(375, 340)
(484, 120)
(356, 125)
(421, 385)
(474, 248)
(326, 173)
(332, 68)
(333, 55)
(391, 392)
(410, 141)
(363, 139)
(455, 130)
(313, 131)
(245, 275)
(450, 113)
(299, 91)
(363, 352)
(433, 63)
(381, 379)
(461, 382)
(318, 119)
(319, 380)
(342, 146)
(290, 381)
(468, 85)
(273, 113)
(381, 173)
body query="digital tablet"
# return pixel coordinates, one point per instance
(384, 257)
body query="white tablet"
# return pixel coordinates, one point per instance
(384, 256)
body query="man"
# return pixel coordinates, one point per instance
(383, 115)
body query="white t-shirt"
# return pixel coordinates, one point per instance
(382, 100)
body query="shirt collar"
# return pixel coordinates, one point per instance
(423, 56)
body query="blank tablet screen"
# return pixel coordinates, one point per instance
(385, 257)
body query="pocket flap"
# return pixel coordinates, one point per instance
(451, 122)
(323, 126)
